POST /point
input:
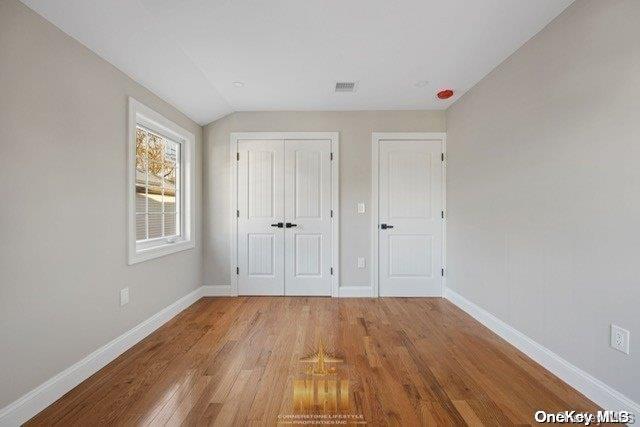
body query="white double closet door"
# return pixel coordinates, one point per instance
(284, 217)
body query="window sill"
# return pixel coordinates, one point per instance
(158, 251)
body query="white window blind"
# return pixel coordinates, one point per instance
(157, 186)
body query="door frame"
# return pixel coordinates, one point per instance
(376, 138)
(334, 137)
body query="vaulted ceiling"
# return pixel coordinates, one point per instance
(288, 54)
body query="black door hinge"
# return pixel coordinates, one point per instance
(442, 157)
(332, 271)
(442, 271)
(442, 214)
(237, 213)
(238, 156)
(331, 213)
(237, 270)
(331, 156)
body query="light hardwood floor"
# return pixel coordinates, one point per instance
(232, 361)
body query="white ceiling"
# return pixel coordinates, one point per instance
(290, 53)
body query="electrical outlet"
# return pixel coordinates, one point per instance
(361, 208)
(620, 339)
(124, 296)
(361, 262)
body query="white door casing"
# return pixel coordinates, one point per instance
(408, 255)
(284, 177)
(308, 213)
(260, 264)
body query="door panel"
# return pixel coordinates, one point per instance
(261, 254)
(407, 254)
(260, 204)
(308, 206)
(410, 188)
(261, 169)
(307, 185)
(308, 255)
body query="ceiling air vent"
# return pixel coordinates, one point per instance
(345, 86)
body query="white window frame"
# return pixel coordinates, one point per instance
(143, 251)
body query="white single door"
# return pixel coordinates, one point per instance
(261, 217)
(307, 257)
(410, 224)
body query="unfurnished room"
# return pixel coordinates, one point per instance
(319, 212)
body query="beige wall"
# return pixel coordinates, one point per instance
(63, 205)
(355, 129)
(544, 189)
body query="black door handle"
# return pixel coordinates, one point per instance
(289, 225)
(278, 224)
(385, 226)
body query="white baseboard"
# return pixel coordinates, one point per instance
(51, 390)
(354, 291)
(344, 291)
(218, 291)
(591, 387)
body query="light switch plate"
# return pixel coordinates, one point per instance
(361, 262)
(124, 296)
(361, 208)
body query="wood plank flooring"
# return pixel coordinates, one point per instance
(232, 361)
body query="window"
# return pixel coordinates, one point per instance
(157, 184)
(160, 180)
